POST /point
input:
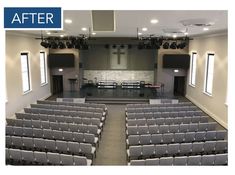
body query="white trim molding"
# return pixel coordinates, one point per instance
(215, 117)
(45, 97)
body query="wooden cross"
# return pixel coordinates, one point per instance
(118, 55)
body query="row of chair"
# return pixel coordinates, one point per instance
(160, 129)
(147, 139)
(149, 115)
(162, 109)
(93, 129)
(58, 146)
(25, 157)
(65, 113)
(212, 159)
(91, 105)
(53, 134)
(158, 105)
(22, 120)
(68, 108)
(167, 121)
(176, 149)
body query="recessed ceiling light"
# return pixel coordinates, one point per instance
(176, 70)
(48, 33)
(174, 36)
(60, 70)
(144, 29)
(84, 29)
(154, 21)
(139, 33)
(68, 21)
(186, 33)
(205, 28)
(61, 36)
(93, 33)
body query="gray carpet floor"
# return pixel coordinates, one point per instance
(112, 147)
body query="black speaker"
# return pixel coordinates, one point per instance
(80, 65)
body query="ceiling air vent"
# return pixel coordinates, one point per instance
(197, 22)
(103, 20)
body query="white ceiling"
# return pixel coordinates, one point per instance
(127, 22)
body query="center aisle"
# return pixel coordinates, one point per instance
(112, 147)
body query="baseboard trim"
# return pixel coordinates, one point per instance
(45, 97)
(221, 122)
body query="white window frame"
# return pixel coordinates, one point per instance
(6, 95)
(44, 68)
(193, 69)
(28, 73)
(207, 74)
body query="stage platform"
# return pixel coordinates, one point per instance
(113, 96)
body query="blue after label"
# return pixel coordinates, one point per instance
(32, 17)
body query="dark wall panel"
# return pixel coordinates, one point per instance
(98, 58)
(143, 59)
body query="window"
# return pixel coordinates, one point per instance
(25, 71)
(43, 68)
(209, 73)
(193, 66)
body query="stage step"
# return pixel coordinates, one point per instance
(116, 100)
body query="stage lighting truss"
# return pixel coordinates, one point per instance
(153, 42)
(145, 42)
(65, 42)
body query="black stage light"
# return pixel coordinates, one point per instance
(114, 46)
(45, 44)
(166, 45)
(181, 45)
(49, 44)
(159, 41)
(156, 45)
(77, 45)
(173, 45)
(61, 45)
(73, 40)
(69, 45)
(122, 46)
(54, 45)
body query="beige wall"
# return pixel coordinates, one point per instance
(16, 100)
(166, 76)
(213, 105)
(68, 72)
